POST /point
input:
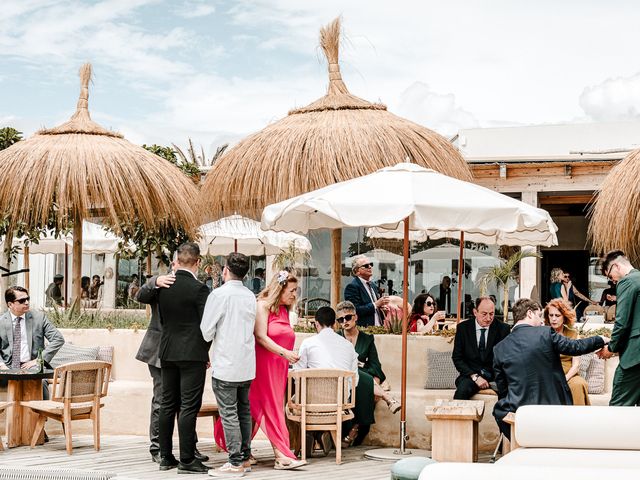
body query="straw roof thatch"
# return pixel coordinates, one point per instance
(615, 216)
(335, 138)
(86, 170)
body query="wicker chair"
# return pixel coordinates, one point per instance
(311, 305)
(77, 390)
(321, 401)
(594, 309)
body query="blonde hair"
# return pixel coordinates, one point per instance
(272, 292)
(556, 275)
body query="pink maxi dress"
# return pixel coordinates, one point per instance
(268, 389)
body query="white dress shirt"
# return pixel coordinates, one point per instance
(229, 319)
(25, 348)
(372, 295)
(479, 332)
(327, 349)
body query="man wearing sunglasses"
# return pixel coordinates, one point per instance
(364, 294)
(625, 337)
(22, 334)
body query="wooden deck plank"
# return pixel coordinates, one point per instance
(128, 456)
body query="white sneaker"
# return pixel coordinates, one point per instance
(228, 471)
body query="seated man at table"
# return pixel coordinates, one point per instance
(473, 349)
(22, 334)
(327, 350)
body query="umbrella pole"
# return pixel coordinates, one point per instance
(66, 274)
(25, 265)
(460, 274)
(405, 302)
(402, 452)
(76, 268)
(235, 245)
(336, 265)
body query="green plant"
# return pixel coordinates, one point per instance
(502, 273)
(393, 321)
(97, 319)
(291, 258)
(9, 136)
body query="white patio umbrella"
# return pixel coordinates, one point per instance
(240, 234)
(420, 198)
(444, 252)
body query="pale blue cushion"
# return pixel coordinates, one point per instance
(409, 468)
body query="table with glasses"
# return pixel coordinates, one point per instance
(23, 385)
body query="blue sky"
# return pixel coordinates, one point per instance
(218, 70)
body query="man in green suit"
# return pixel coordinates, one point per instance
(625, 338)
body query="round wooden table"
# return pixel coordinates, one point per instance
(23, 385)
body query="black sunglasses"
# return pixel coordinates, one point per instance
(21, 300)
(429, 304)
(366, 265)
(346, 318)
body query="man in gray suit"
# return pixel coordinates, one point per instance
(22, 333)
(149, 354)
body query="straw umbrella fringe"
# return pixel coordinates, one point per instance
(86, 170)
(615, 215)
(335, 138)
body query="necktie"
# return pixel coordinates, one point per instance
(17, 343)
(378, 316)
(371, 292)
(482, 345)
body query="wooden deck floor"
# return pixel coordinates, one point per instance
(128, 457)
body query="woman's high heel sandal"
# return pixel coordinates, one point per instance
(288, 463)
(351, 437)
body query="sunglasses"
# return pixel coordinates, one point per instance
(429, 304)
(366, 265)
(21, 300)
(346, 318)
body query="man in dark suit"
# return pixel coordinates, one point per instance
(473, 349)
(184, 355)
(527, 363)
(625, 337)
(149, 353)
(364, 294)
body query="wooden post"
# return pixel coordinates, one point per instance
(27, 279)
(5, 261)
(460, 274)
(336, 265)
(76, 287)
(66, 275)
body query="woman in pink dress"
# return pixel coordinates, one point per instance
(274, 351)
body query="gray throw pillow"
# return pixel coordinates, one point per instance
(441, 373)
(592, 370)
(74, 353)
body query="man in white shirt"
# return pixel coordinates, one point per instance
(327, 350)
(229, 319)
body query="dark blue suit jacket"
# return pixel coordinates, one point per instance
(357, 294)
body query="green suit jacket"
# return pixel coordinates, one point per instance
(625, 338)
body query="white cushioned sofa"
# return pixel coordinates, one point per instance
(562, 442)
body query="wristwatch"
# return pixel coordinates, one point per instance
(474, 377)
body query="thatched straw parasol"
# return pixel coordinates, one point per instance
(80, 169)
(615, 216)
(335, 138)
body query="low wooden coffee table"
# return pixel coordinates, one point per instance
(454, 432)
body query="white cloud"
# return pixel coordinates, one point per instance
(434, 110)
(195, 9)
(613, 100)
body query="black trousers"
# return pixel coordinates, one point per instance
(182, 389)
(465, 388)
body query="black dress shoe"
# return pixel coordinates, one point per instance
(168, 462)
(194, 466)
(155, 456)
(46, 437)
(201, 456)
